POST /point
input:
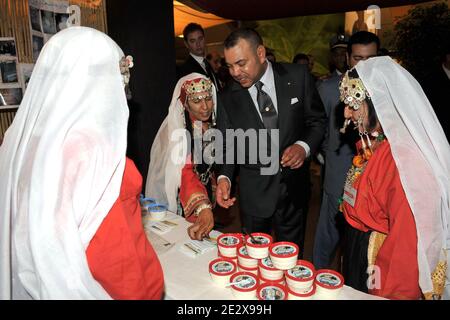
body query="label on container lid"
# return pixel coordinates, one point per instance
(301, 272)
(222, 267)
(229, 240)
(271, 292)
(284, 250)
(244, 281)
(329, 279)
(267, 263)
(243, 251)
(260, 239)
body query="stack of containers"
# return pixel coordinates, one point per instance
(245, 262)
(300, 281)
(270, 271)
(227, 245)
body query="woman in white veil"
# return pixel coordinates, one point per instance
(70, 226)
(176, 177)
(397, 191)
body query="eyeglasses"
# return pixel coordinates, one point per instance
(198, 99)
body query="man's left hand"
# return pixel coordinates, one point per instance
(293, 156)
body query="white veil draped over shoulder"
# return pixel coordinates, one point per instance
(61, 167)
(170, 149)
(421, 153)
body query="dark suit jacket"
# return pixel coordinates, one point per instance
(303, 120)
(189, 66)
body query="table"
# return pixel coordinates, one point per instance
(187, 278)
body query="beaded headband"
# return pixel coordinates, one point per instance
(125, 64)
(352, 92)
(191, 87)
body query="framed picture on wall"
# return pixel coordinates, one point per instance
(8, 71)
(7, 47)
(10, 97)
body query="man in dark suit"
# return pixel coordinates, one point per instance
(194, 39)
(283, 99)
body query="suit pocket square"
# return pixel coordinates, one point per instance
(294, 100)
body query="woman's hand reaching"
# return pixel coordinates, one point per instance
(202, 226)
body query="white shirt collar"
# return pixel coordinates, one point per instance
(447, 71)
(267, 78)
(198, 59)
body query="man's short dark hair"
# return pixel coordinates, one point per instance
(300, 56)
(247, 34)
(191, 27)
(364, 38)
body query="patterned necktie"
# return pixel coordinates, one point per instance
(266, 107)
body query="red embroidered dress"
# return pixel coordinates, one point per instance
(381, 205)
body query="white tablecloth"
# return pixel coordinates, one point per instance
(187, 278)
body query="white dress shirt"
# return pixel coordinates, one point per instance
(269, 87)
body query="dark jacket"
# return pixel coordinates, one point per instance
(303, 120)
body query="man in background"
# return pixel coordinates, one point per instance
(338, 148)
(194, 40)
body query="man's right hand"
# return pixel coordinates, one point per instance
(223, 193)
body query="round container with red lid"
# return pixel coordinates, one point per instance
(272, 291)
(328, 284)
(308, 295)
(263, 280)
(221, 270)
(284, 254)
(258, 250)
(228, 244)
(301, 277)
(244, 285)
(268, 271)
(252, 270)
(234, 259)
(244, 259)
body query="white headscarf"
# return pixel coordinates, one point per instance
(421, 153)
(61, 167)
(164, 174)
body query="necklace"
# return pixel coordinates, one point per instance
(204, 171)
(359, 164)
